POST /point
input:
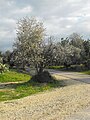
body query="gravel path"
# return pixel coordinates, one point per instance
(81, 115)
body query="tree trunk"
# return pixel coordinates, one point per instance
(40, 70)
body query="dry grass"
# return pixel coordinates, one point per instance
(57, 104)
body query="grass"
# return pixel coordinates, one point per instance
(13, 90)
(13, 76)
(19, 90)
(86, 72)
(55, 67)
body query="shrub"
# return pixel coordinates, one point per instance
(80, 67)
(87, 64)
(3, 68)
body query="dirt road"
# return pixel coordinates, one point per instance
(73, 75)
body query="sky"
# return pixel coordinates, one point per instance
(60, 17)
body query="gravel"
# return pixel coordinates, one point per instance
(81, 115)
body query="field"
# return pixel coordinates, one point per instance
(15, 85)
(13, 76)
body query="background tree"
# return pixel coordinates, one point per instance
(0, 57)
(7, 57)
(86, 60)
(86, 45)
(67, 53)
(77, 41)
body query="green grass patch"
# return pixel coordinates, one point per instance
(77, 68)
(20, 90)
(86, 72)
(24, 88)
(12, 76)
(55, 67)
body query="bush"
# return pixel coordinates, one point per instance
(80, 67)
(3, 68)
(87, 64)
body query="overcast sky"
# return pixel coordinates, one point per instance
(60, 17)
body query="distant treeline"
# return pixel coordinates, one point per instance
(73, 50)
